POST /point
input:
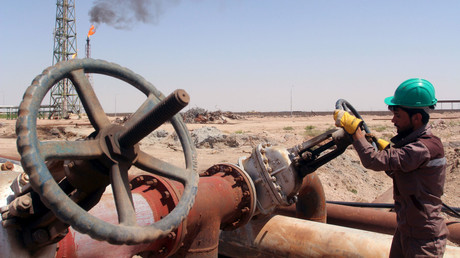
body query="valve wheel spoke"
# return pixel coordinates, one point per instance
(162, 168)
(122, 195)
(93, 107)
(80, 150)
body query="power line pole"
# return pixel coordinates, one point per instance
(63, 98)
(291, 98)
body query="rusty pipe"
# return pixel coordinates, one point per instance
(361, 218)
(366, 219)
(375, 220)
(281, 236)
(76, 244)
(205, 218)
(154, 197)
(454, 231)
(311, 203)
(224, 202)
(14, 159)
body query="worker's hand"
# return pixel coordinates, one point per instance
(347, 121)
(382, 144)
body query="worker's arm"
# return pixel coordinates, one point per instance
(352, 125)
(358, 134)
(389, 159)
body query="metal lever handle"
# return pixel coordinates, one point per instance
(319, 150)
(162, 112)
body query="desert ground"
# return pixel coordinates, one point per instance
(226, 140)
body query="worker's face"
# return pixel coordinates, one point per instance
(402, 121)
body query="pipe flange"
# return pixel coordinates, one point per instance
(247, 192)
(275, 178)
(162, 197)
(269, 174)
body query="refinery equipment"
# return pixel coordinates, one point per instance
(105, 197)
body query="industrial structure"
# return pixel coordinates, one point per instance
(91, 31)
(63, 98)
(106, 197)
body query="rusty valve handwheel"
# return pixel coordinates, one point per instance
(115, 146)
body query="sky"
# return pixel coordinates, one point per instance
(245, 55)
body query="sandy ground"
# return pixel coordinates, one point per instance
(344, 179)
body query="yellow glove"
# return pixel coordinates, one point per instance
(382, 144)
(347, 121)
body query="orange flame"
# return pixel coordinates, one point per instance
(91, 31)
(74, 55)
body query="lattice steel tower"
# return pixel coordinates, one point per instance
(63, 97)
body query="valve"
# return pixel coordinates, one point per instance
(275, 179)
(277, 172)
(312, 154)
(112, 149)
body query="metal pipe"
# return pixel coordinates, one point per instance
(76, 244)
(318, 239)
(311, 204)
(281, 236)
(206, 216)
(445, 207)
(376, 220)
(13, 159)
(454, 231)
(231, 208)
(155, 197)
(362, 218)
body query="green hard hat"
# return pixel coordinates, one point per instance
(414, 93)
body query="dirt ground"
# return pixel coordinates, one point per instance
(344, 178)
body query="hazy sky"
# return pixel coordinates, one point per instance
(243, 55)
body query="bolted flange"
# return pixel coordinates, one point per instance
(246, 190)
(276, 180)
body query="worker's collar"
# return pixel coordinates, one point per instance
(400, 141)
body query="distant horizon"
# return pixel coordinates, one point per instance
(323, 112)
(244, 55)
(442, 109)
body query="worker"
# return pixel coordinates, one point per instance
(416, 163)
